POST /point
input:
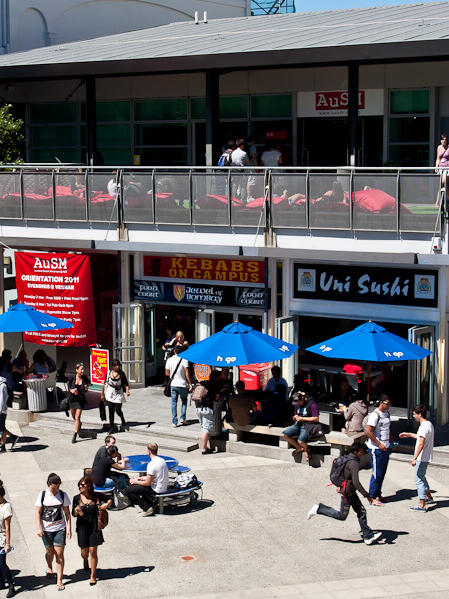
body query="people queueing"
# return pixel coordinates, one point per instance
(86, 508)
(347, 482)
(379, 446)
(114, 392)
(422, 456)
(177, 370)
(5, 542)
(143, 489)
(306, 424)
(53, 525)
(78, 386)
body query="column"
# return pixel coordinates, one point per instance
(91, 120)
(212, 116)
(353, 112)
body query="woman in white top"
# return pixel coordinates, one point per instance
(54, 525)
(5, 542)
(115, 391)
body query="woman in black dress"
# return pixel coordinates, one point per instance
(77, 385)
(85, 508)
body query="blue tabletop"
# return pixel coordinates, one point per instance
(139, 463)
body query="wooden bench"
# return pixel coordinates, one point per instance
(237, 431)
(340, 441)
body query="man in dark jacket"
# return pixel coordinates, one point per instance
(349, 497)
(306, 424)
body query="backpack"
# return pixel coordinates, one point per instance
(337, 474)
(225, 159)
(185, 480)
(199, 394)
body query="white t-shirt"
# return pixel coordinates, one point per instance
(52, 521)
(180, 379)
(381, 422)
(239, 157)
(425, 430)
(158, 468)
(112, 187)
(5, 512)
(271, 157)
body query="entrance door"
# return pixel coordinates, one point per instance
(286, 328)
(128, 340)
(422, 373)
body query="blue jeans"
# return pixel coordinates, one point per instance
(420, 479)
(296, 430)
(175, 393)
(379, 463)
(5, 572)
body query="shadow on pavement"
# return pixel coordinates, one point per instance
(26, 439)
(437, 505)
(36, 447)
(388, 537)
(198, 506)
(111, 573)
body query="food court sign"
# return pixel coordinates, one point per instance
(399, 287)
(204, 269)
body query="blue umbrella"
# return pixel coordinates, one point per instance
(369, 342)
(22, 318)
(237, 345)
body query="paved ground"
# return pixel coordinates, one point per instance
(249, 536)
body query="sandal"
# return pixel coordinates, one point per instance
(49, 574)
(61, 587)
(378, 504)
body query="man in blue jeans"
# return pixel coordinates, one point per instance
(379, 440)
(421, 456)
(177, 370)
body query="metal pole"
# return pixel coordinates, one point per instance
(212, 115)
(91, 120)
(353, 112)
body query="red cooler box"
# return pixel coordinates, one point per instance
(255, 376)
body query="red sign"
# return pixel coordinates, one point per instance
(60, 285)
(99, 365)
(336, 100)
(205, 269)
(276, 134)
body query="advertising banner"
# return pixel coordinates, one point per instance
(201, 293)
(99, 365)
(204, 269)
(376, 285)
(335, 103)
(60, 285)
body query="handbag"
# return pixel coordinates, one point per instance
(64, 404)
(167, 390)
(102, 409)
(103, 517)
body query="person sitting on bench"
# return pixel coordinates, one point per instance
(306, 425)
(101, 472)
(142, 490)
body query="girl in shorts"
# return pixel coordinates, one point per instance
(5, 542)
(54, 525)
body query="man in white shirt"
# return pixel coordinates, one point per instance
(379, 440)
(271, 157)
(239, 157)
(142, 490)
(422, 456)
(177, 370)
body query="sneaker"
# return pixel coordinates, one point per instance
(148, 512)
(14, 439)
(183, 423)
(418, 508)
(376, 536)
(313, 511)
(175, 425)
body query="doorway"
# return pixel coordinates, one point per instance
(422, 373)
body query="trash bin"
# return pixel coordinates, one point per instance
(36, 392)
(255, 376)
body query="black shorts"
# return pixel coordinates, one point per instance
(2, 423)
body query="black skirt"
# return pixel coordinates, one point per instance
(89, 536)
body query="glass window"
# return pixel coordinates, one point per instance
(162, 156)
(54, 136)
(53, 113)
(166, 109)
(113, 111)
(409, 129)
(116, 156)
(233, 107)
(113, 135)
(50, 155)
(409, 155)
(271, 106)
(198, 108)
(161, 135)
(406, 101)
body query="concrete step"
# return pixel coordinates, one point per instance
(135, 437)
(277, 453)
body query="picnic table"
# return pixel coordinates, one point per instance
(137, 464)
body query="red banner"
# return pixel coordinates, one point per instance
(205, 269)
(60, 285)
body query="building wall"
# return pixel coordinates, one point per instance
(46, 22)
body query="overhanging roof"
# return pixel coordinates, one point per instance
(376, 34)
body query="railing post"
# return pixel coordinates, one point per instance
(229, 197)
(398, 201)
(120, 198)
(53, 193)
(86, 193)
(191, 196)
(153, 189)
(307, 190)
(22, 201)
(351, 199)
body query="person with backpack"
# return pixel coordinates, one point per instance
(345, 476)
(204, 396)
(177, 371)
(226, 159)
(54, 525)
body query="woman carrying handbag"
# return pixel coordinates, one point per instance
(91, 517)
(78, 385)
(115, 391)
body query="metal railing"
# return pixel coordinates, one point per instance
(402, 200)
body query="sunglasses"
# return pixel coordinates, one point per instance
(80, 486)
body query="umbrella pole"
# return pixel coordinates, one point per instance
(368, 383)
